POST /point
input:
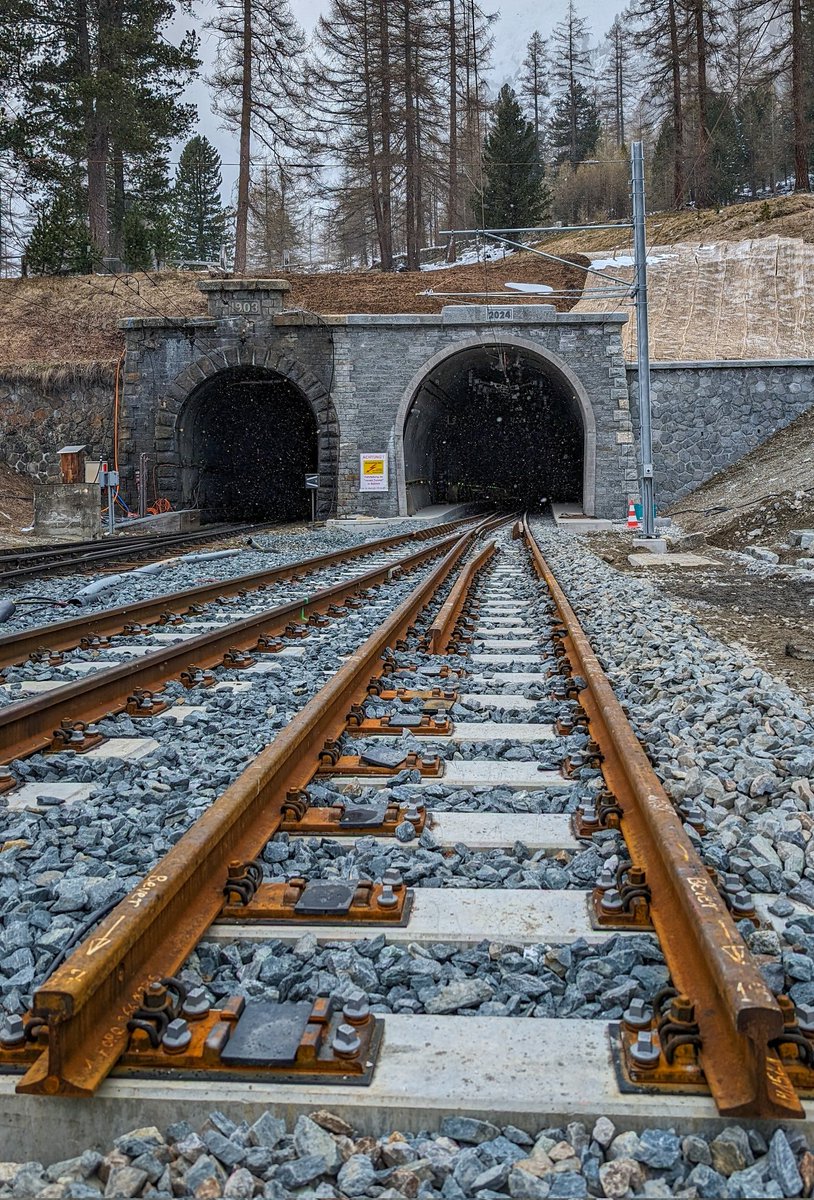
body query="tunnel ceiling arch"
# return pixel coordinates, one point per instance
(499, 423)
(247, 437)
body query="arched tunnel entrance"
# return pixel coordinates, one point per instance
(495, 423)
(247, 438)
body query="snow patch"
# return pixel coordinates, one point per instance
(531, 288)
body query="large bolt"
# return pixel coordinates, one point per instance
(741, 904)
(356, 1008)
(12, 1032)
(387, 898)
(155, 996)
(645, 1051)
(607, 880)
(195, 1005)
(176, 1036)
(346, 1042)
(682, 1009)
(638, 1015)
(412, 813)
(393, 878)
(611, 901)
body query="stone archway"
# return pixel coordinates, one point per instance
(175, 404)
(545, 362)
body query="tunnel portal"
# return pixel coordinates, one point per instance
(248, 437)
(496, 424)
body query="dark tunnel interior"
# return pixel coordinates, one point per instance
(494, 424)
(248, 438)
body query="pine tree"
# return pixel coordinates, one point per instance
(514, 194)
(59, 243)
(87, 78)
(257, 89)
(574, 127)
(534, 85)
(200, 221)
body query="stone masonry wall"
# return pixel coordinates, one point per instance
(37, 419)
(359, 372)
(706, 416)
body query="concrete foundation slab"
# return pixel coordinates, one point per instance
(457, 916)
(489, 731)
(512, 678)
(509, 643)
(129, 749)
(180, 712)
(33, 687)
(28, 795)
(478, 773)
(87, 668)
(684, 559)
(508, 1070)
(507, 629)
(506, 659)
(233, 685)
(549, 832)
(503, 700)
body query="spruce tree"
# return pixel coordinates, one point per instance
(200, 220)
(514, 194)
(575, 127)
(59, 243)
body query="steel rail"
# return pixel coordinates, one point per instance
(65, 635)
(28, 726)
(440, 632)
(89, 999)
(708, 959)
(152, 544)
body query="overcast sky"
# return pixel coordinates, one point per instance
(516, 22)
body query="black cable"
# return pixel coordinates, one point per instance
(78, 934)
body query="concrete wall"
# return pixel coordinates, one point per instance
(707, 415)
(38, 418)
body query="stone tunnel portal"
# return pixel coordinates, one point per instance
(494, 423)
(247, 438)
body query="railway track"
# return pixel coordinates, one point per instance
(44, 560)
(465, 789)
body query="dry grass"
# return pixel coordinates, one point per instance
(52, 327)
(783, 216)
(52, 330)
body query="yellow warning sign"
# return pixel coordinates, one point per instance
(373, 474)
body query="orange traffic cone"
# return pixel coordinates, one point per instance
(632, 519)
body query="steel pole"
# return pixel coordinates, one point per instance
(642, 341)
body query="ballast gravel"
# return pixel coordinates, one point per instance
(279, 549)
(65, 864)
(488, 980)
(322, 1157)
(719, 730)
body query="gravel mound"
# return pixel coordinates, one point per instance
(322, 1157)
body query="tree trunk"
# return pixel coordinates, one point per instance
(798, 105)
(386, 236)
(452, 177)
(410, 144)
(370, 120)
(117, 238)
(702, 167)
(244, 169)
(678, 110)
(96, 142)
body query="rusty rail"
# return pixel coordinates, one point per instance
(65, 635)
(708, 959)
(440, 632)
(89, 999)
(28, 726)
